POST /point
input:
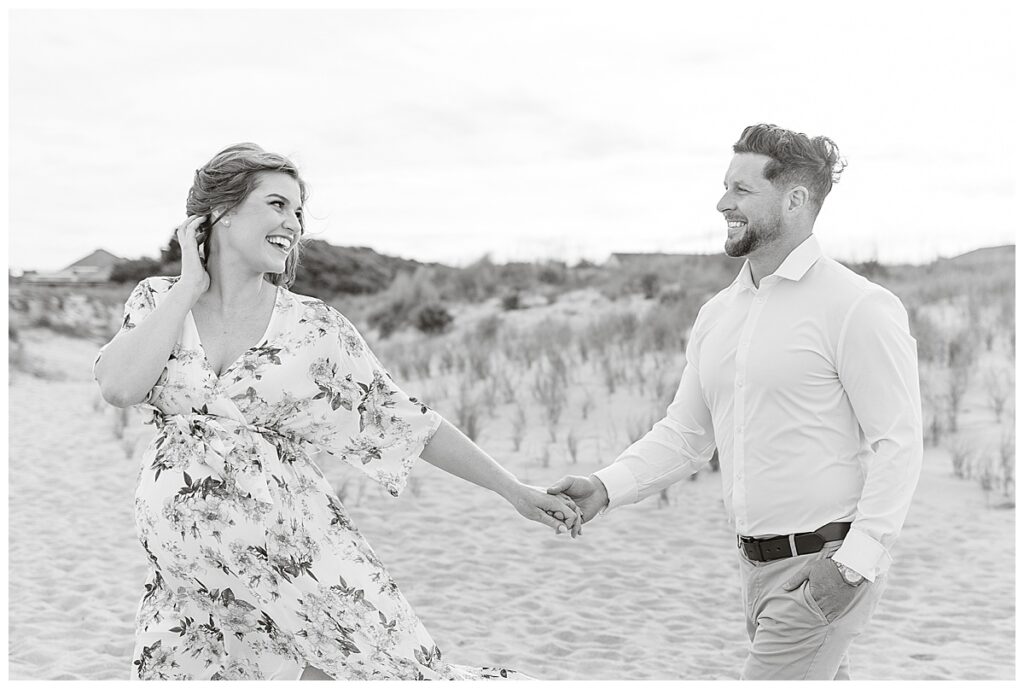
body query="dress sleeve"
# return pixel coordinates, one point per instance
(140, 304)
(375, 426)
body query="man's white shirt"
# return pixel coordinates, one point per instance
(808, 386)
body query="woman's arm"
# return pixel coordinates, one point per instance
(451, 451)
(134, 359)
(132, 362)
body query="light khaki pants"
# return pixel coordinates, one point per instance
(790, 637)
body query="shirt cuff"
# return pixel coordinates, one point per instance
(863, 554)
(620, 483)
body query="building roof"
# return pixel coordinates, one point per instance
(645, 256)
(101, 258)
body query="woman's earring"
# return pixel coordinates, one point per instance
(225, 222)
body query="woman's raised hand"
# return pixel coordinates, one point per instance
(193, 273)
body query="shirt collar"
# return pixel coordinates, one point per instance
(800, 259)
(794, 267)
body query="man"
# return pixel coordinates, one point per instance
(804, 376)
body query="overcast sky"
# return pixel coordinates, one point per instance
(446, 134)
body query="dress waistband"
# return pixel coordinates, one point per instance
(228, 448)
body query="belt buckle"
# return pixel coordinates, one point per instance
(750, 547)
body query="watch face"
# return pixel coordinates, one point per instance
(850, 576)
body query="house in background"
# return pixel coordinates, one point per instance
(620, 260)
(91, 270)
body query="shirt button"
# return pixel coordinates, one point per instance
(739, 430)
(739, 383)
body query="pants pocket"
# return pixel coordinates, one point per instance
(805, 592)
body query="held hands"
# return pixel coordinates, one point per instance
(193, 273)
(557, 511)
(586, 492)
(826, 586)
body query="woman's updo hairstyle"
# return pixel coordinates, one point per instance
(226, 181)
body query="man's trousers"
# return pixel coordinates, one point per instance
(790, 637)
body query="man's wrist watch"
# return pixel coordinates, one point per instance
(849, 576)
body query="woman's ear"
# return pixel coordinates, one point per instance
(220, 215)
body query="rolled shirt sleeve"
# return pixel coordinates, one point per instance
(877, 366)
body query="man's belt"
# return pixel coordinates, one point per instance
(779, 547)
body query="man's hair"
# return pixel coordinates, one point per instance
(795, 159)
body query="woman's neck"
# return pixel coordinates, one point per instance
(233, 289)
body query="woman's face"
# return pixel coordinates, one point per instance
(265, 228)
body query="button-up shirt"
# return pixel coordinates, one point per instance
(808, 386)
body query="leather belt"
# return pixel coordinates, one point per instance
(779, 547)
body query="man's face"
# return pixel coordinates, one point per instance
(752, 206)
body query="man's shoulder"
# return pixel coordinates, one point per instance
(843, 284)
(848, 292)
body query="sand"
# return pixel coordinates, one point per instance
(650, 591)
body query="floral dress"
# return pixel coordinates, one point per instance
(256, 569)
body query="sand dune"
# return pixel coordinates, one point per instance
(648, 592)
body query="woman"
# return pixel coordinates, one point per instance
(256, 570)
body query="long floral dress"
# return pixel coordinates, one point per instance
(255, 567)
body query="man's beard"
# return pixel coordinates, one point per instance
(754, 236)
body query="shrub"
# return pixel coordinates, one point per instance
(487, 328)
(135, 270)
(552, 273)
(432, 319)
(388, 318)
(962, 454)
(518, 428)
(931, 343)
(665, 325)
(649, 283)
(467, 412)
(510, 302)
(573, 442)
(1007, 462)
(475, 282)
(998, 384)
(402, 299)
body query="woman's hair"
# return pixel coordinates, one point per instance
(227, 180)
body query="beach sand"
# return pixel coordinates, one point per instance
(650, 591)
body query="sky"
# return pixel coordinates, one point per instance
(564, 133)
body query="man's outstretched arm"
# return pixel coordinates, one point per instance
(675, 448)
